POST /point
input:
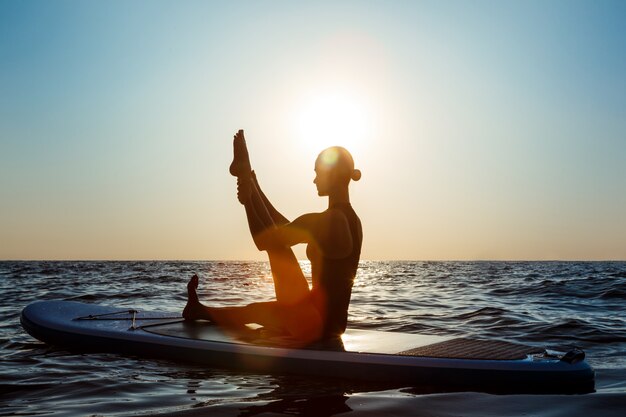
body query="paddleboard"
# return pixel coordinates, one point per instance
(407, 358)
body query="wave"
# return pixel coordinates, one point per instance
(554, 304)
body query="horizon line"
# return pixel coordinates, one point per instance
(306, 260)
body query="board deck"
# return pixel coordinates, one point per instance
(414, 359)
(353, 340)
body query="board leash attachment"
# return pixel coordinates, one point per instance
(574, 356)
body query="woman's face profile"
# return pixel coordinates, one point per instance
(322, 180)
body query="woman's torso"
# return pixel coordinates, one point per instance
(333, 278)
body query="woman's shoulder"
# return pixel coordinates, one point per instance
(333, 220)
(336, 216)
(344, 211)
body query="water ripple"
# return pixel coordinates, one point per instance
(558, 304)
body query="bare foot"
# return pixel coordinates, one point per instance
(194, 310)
(240, 167)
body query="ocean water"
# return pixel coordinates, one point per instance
(554, 304)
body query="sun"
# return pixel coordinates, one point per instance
(333, 118)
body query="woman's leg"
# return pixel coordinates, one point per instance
(290, 284)
(292, 309)
(302, 321)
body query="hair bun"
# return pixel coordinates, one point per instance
(356, 175)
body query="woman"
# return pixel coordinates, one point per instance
(334, 246)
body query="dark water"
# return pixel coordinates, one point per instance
(554, 304)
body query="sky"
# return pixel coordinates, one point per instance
(485, 130)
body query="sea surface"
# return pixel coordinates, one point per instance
(553, 304)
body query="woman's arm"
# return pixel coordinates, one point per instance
(278, 218)
(329, 231)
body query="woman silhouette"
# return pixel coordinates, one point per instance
(333, 239)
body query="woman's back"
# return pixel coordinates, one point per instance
(333, 278)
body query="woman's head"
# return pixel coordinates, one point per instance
(334, 168)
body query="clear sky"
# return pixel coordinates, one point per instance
(484, 129)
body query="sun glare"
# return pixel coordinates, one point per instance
(331, 119)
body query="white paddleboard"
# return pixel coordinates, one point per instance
(413, 359)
